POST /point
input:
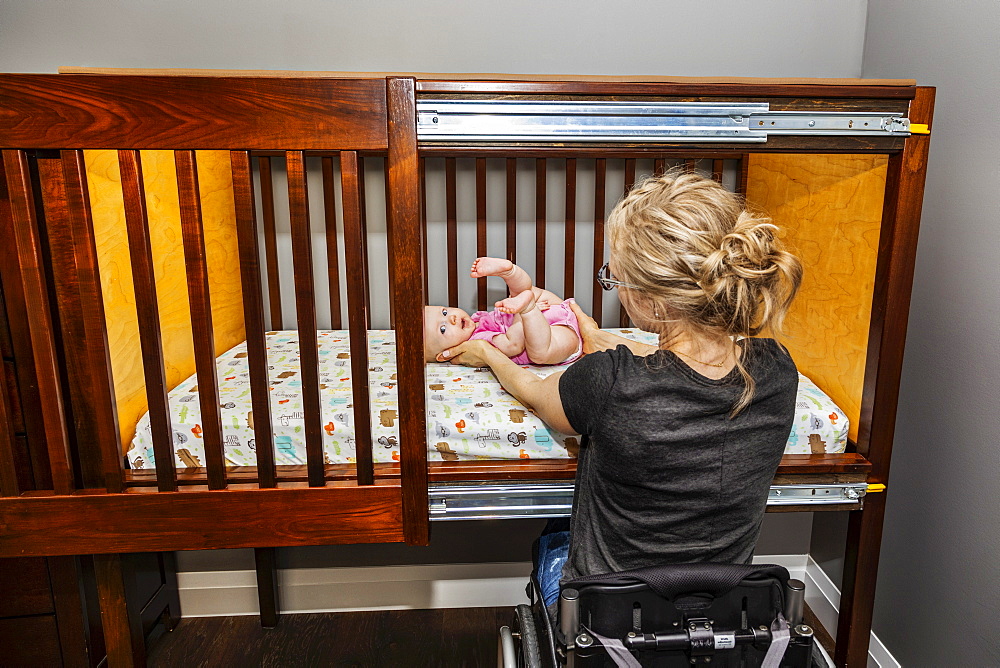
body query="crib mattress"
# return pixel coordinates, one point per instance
(469, 415)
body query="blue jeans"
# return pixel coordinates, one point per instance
(553, 550)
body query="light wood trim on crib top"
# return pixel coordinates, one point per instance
(469, 76)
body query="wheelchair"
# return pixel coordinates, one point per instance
(665, 616)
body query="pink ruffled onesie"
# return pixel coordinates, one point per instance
(491, 323)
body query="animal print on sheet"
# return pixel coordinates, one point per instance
(469, 415)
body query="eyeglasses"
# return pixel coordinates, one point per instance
(607, 281)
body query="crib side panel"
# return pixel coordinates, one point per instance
(829, 208)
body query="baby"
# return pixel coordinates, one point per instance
(531, 326)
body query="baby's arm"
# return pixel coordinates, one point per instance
(508, 345)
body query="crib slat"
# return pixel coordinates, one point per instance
(717, 167)
(199, 299)
(690, 165)
(623, 320)
(659, 166)
(743, 172)
(540, 222)
(98, 363)
(402, 216)
(481, 225)
(253, 316)
(600, 178)
(332, 258)
(357, 313)
(141, 257)
(451, 199)
(305, 313)
(569, 280)
(69, 321)
(25, 234)
(9, 485)
(512, 209)
(270, 242)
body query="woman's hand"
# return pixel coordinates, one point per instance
(470, 353)
(590, 332)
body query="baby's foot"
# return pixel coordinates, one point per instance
(522, 302)
(491, 266)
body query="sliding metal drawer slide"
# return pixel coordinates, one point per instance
(585, 121)
(496, 501)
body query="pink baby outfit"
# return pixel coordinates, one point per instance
(491, 323)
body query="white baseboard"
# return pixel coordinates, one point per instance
(302, 590)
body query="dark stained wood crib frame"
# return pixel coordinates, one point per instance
(50, 276)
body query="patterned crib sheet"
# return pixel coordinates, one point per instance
(469, 415)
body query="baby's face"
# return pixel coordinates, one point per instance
(445, 327)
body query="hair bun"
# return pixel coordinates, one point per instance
(747, 252)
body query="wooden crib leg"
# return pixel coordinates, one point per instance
(122, 631)
(267, 585)
(857, 599)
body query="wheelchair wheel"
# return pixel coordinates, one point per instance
(518, 643)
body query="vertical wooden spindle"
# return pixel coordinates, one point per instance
(690, 165)
(101, 382)
(27, 239)
(717, 168)
(305, 312)
(659, 166)
(199, 299)
(742, 171)
(569, 280)
(405, 254)
(332, 257)
(451, 204)
(270, 242)
(148, 311)
(481, 226)
(357, 313)
(540, 195)
(512, 209)
(600, 177)
(253, 316)
(9, 485)
(69, 337)
(629, 175)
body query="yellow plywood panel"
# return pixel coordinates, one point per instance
(159, 177)
(829, 208)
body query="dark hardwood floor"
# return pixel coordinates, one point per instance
(448, 638)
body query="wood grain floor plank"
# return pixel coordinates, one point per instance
(449, 637)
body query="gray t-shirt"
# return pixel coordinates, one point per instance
(664, 475)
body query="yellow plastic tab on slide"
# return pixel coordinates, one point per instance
(875, 487)
(920, 129)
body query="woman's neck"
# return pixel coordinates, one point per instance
(710, 356)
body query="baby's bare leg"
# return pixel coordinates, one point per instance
(544, 343)
(517, 279)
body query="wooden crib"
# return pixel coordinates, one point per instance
(840, 165)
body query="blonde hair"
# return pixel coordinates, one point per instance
(702, 262)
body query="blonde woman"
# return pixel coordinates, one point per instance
(680, 440)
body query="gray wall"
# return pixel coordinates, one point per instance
(938, 595)
(684, 37)
(820, 38)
